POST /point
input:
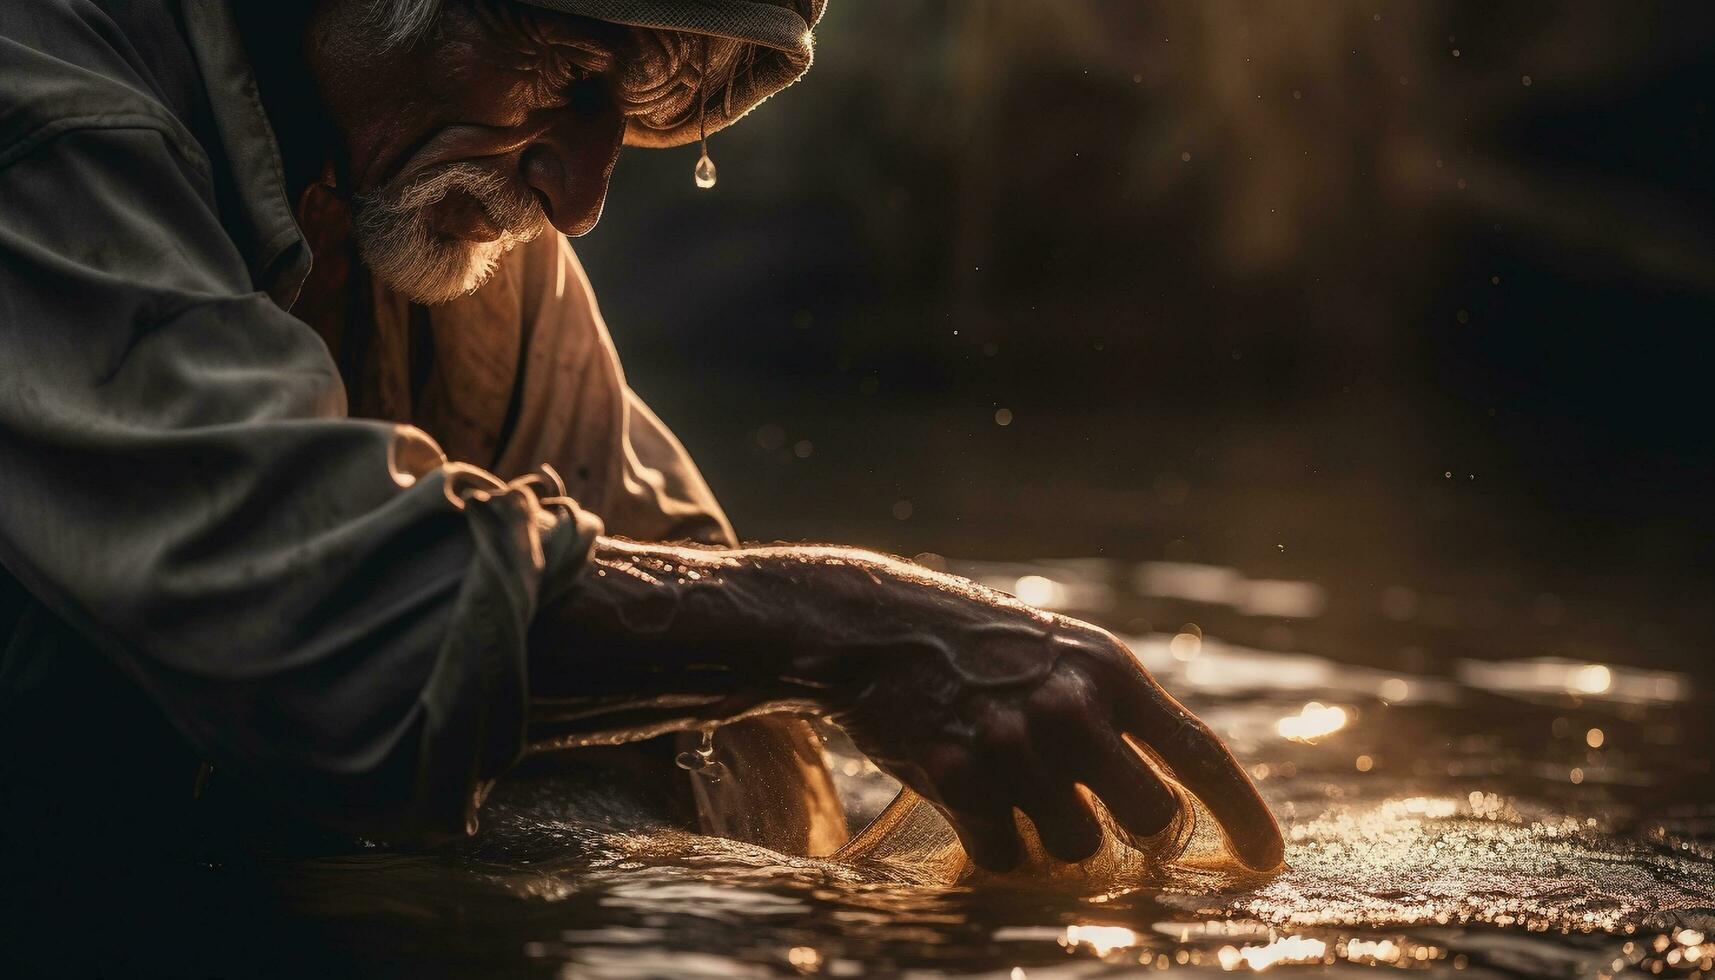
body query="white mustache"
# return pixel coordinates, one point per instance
(402, 250)
(516, 214)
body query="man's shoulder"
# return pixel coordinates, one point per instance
(113, 37)
(69, 64)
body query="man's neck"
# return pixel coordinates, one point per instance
(274, 35)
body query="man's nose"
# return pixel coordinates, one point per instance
(569, 166)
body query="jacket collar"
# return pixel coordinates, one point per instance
(267, 232)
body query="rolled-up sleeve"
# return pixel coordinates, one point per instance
(309, 599)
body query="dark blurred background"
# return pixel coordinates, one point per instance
(1382, 295)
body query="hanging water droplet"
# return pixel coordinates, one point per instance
(705, 172)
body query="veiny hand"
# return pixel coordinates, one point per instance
(975, 700)
(982, 704)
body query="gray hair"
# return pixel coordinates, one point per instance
(403, 22)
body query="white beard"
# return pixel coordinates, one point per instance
(401, 249)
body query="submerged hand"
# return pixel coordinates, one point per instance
(978, 702)
(993, 706)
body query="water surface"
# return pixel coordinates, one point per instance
(1500, 808)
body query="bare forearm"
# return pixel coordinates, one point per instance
(658, 637)
(977, 701)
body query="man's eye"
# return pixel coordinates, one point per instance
(589, 95)
(568, 68)
(554, 88)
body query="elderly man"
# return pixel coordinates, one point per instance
(321, 487)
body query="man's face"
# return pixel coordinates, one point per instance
(497, 123)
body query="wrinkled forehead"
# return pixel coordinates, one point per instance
(690, 66)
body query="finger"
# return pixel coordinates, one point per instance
(990, 837)
(984, 826)
(1139, 801)
(1201, 763)
(1063, 820)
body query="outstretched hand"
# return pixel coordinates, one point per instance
(1022, 709)
(980, 703)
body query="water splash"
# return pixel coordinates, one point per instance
(700, 761)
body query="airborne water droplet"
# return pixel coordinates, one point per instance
(704, 172)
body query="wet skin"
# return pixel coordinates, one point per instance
(977, 701)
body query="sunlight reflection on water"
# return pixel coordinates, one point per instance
(1548, 676)
(1312, 722)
